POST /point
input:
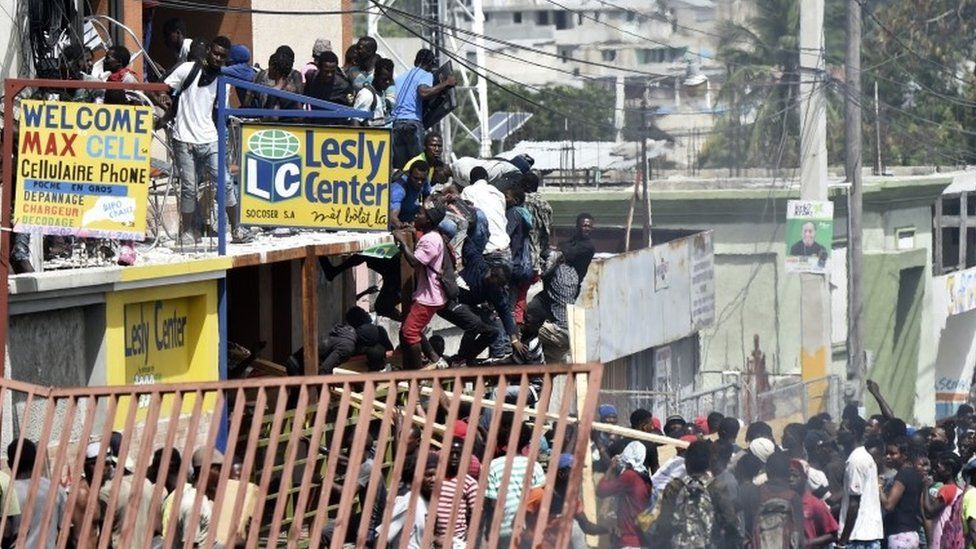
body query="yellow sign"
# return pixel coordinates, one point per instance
(83, 169)
(162, 335)
(323, 178)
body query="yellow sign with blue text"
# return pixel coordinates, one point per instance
(315, 177)
(83, 169)
(163, 335)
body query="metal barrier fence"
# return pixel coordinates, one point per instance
(725, 399)
(301, 465)
(800, 400)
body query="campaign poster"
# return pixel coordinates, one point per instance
(315, 177)
(809, 235)
(83, 169)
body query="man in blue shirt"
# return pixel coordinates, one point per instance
(413, 88)
(407, 192)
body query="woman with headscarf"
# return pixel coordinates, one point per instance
(628, 481)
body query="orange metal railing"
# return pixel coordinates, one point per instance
(295, 451)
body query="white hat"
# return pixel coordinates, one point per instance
(762, 448)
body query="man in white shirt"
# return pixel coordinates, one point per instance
(491, 201)
(370, 98)
(195, 136)
(861, 523)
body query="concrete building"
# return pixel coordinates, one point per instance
(916, 317)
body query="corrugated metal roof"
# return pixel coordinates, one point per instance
(583, 155)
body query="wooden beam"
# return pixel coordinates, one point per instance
(310, 313)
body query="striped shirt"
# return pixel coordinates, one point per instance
(445, 501)
(513, 496)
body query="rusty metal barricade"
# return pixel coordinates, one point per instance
(297, 469)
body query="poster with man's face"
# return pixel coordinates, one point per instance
(809, 235)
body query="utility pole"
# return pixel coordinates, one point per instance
(878, 166)
(814, 293)
(478, 29)
(645, 199)
(855, 251)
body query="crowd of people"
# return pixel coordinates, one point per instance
(476, 232)
(158, 513)
(845, 482)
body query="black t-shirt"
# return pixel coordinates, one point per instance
(905, 516)
(337, 91)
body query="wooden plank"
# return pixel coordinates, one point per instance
(310, 314)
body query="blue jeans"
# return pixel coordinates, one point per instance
(408, 141)
(191, 160)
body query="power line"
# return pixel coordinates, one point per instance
(608, 25)
(189, 5)
(898, 40)
(427, 22)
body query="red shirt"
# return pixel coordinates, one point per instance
(817, 520)
(633, 496)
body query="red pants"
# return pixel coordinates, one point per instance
(417, 319)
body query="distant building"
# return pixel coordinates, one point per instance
(919, 280)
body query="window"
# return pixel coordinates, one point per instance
(609, 55)
(487, 17)
(542, 17)
(564, 52)
(562, 21)
(516, 17)
(631, 16)
(472, 57)
(954, 228)
(660, 55)
(905, 238)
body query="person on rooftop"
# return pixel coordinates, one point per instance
(414, 87)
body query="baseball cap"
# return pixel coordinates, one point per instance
(565, 461)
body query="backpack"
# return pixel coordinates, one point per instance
(522, 264)
(693, 516)
(952, 534)
(774, 528)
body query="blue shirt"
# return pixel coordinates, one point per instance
(408, 105)
(404, 198)
(478, 292)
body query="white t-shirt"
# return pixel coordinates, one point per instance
(461, 168)
(184, 50)
(861, 479)
(491, 201)
(194, 119)
(364, 101)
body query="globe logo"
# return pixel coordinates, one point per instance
(273, 144)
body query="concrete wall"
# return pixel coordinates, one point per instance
(623, 309)
(300, 33)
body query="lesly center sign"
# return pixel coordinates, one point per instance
(323, 178)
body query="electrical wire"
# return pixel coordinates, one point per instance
(898, 40)
(585, 15)
(423, 21)
(189, 5)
